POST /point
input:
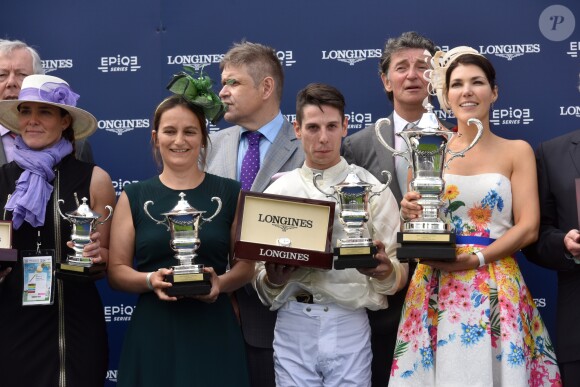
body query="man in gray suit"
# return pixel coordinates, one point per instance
(401, 69)
(17, 60)
(252, 82)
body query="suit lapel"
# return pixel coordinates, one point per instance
(280, 151)
(2, 153)
(575, 151)
(229, 155)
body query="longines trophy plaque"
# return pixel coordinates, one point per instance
(285, 230)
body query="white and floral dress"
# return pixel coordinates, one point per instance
(475, 327)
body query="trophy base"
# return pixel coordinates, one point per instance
(352, 257)
(67, 271)
(8, 258)
(188, 284)
(428, 246)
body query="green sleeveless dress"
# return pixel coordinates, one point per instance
(187, 342)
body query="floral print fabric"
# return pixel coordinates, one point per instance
(475, 327)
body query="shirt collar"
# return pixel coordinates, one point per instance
(271, 129)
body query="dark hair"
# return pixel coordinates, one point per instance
(168, 104)
(68, 133)
(407, 40)
(319, 94)
(471, 59)
(260, 60)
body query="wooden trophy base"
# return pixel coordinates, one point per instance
(355, 257)
(433, 247)
(66, 271)
(188, 284)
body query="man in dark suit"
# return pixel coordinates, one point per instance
(401, 68)
(17, 60)
(558, 245)
(252, 82)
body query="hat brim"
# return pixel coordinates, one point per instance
(83, 123)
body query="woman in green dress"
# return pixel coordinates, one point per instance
(187, 340)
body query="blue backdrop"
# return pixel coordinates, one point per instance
(119, 55)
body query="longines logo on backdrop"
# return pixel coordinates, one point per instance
(50, 65)
(570, 111)
(359, 120)
(443, 115)
(351, 56)
(120, 184)
(112, 376)
(574, 49)
(510, 51)
(122, 126)
(511, 116)
(119, 63)
(284, 222)
(197, 61)
(115, 313)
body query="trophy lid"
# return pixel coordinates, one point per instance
(83, 211)
(183, 208)
(352, 180)
(427, 125)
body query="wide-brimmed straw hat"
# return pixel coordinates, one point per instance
(51, 91)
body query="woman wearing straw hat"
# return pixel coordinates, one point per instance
(53, 331)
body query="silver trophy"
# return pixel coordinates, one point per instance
(353, 196)
(184, 221)
(427, 147)
(84, 222)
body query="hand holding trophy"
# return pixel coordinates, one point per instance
(184, 222)
(353, 196)
(84, 222)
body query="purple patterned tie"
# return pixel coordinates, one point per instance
(251, 161)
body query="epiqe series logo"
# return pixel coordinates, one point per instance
(122, 126)
(50, 65)
(574, 49)
(119, 63)
(359, 120)
(284, 223)
(510, 51)
(120, 184)
(351, 56)
(573, 111)
(286, 58)
(115, 313)
(511, 116)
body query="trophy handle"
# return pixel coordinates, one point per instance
(389, 178)
(147, 203)
(315, 181)
(219, 208)
(60, 212)
(108, 216)
(404, 154)
(461, 153)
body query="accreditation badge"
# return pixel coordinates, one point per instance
(38, 278)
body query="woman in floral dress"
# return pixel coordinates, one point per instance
(473, 322)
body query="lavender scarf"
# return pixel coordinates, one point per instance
(33, 190)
